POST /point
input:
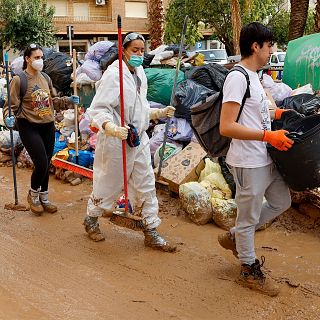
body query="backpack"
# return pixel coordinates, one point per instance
(23, 90)
(205, 120)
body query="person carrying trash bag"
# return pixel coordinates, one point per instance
(254, 172)
(33, 102)
(104, 113)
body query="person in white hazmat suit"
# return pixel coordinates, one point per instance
(104, 113)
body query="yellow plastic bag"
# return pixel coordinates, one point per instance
(210, 167)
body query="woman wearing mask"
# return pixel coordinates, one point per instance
(34, 114)
(105, 115)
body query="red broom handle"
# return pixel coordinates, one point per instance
(124, 145)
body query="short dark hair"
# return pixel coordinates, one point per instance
(28, 52)
(251, 33)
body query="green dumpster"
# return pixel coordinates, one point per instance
(86, 94)
(302, 63)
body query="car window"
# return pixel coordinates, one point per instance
(281, 57)
(274, 59)
(214, 55)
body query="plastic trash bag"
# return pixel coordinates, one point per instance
(5, 141)
(217, 186)
(210, 167)
(187, 94)
(108, 58)
(224, 213)
(60, 143)
(227, 175)
(304, 103)
(97, 51)
(85, 158)
(279, 91)
(160, 83)
(16, 65)
(147, 59)
(196, 201)
(210, 75)
(57, 68)
(179, 130)
(92, 69)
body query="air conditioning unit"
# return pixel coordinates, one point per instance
(100, 2)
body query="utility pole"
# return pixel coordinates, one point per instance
(70, 35)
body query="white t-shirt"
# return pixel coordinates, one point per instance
(255, 115)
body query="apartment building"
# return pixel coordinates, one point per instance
(96, 20)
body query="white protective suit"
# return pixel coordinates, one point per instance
(107, 168)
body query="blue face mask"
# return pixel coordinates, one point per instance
(135, 61)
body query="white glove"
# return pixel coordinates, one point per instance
(113, 130)
(167, 112)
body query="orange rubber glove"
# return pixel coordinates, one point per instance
(278, 139)
(278, 113)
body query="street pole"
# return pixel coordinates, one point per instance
(70, 40)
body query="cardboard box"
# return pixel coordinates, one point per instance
(184, 167)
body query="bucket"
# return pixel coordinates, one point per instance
(300, 165)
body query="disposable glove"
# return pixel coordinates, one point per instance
(74, 99)
(9, 121)
(167, 112)
(278, 139)
(113, 130)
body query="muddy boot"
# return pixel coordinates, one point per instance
(228, 242)
(47, 205)
(153, 240)
(91, 226)
(252, 277)
(34, 202)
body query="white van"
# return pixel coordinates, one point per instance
(277, 59)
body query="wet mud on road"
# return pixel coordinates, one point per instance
(49, 269)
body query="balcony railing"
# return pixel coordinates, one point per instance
(80, 19)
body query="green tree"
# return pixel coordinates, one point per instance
(280, 26)
(215, 15)
(24, 22)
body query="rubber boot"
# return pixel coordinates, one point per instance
(91, 226)
(47, 205)
(252, 277)
(228, 242)
(34, 202)
(153, 240)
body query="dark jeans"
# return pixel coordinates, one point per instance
(38, 139)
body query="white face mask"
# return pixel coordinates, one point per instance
(37, 64)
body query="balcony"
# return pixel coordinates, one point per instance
(82, 19)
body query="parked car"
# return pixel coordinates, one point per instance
(214, 55)
(277, 59)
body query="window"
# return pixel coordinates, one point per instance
(61, 8)
(81, 11)
(274, 59)
(136, 9)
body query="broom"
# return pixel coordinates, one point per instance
(10, 206)
(60, 163)
(120, 217)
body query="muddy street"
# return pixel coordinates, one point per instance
(49, 269)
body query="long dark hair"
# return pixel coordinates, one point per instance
(28, 52)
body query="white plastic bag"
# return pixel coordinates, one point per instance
(195, 200)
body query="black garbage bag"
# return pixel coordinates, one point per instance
(290, 121)
(187, 94)
(304, 103)
(108, 58)
(300, 165)
(227, 175)
(57, 68)
(147, 59)
(211, 75)
(175, 48)
(47, 52)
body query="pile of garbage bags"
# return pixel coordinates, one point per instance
(209, 198)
